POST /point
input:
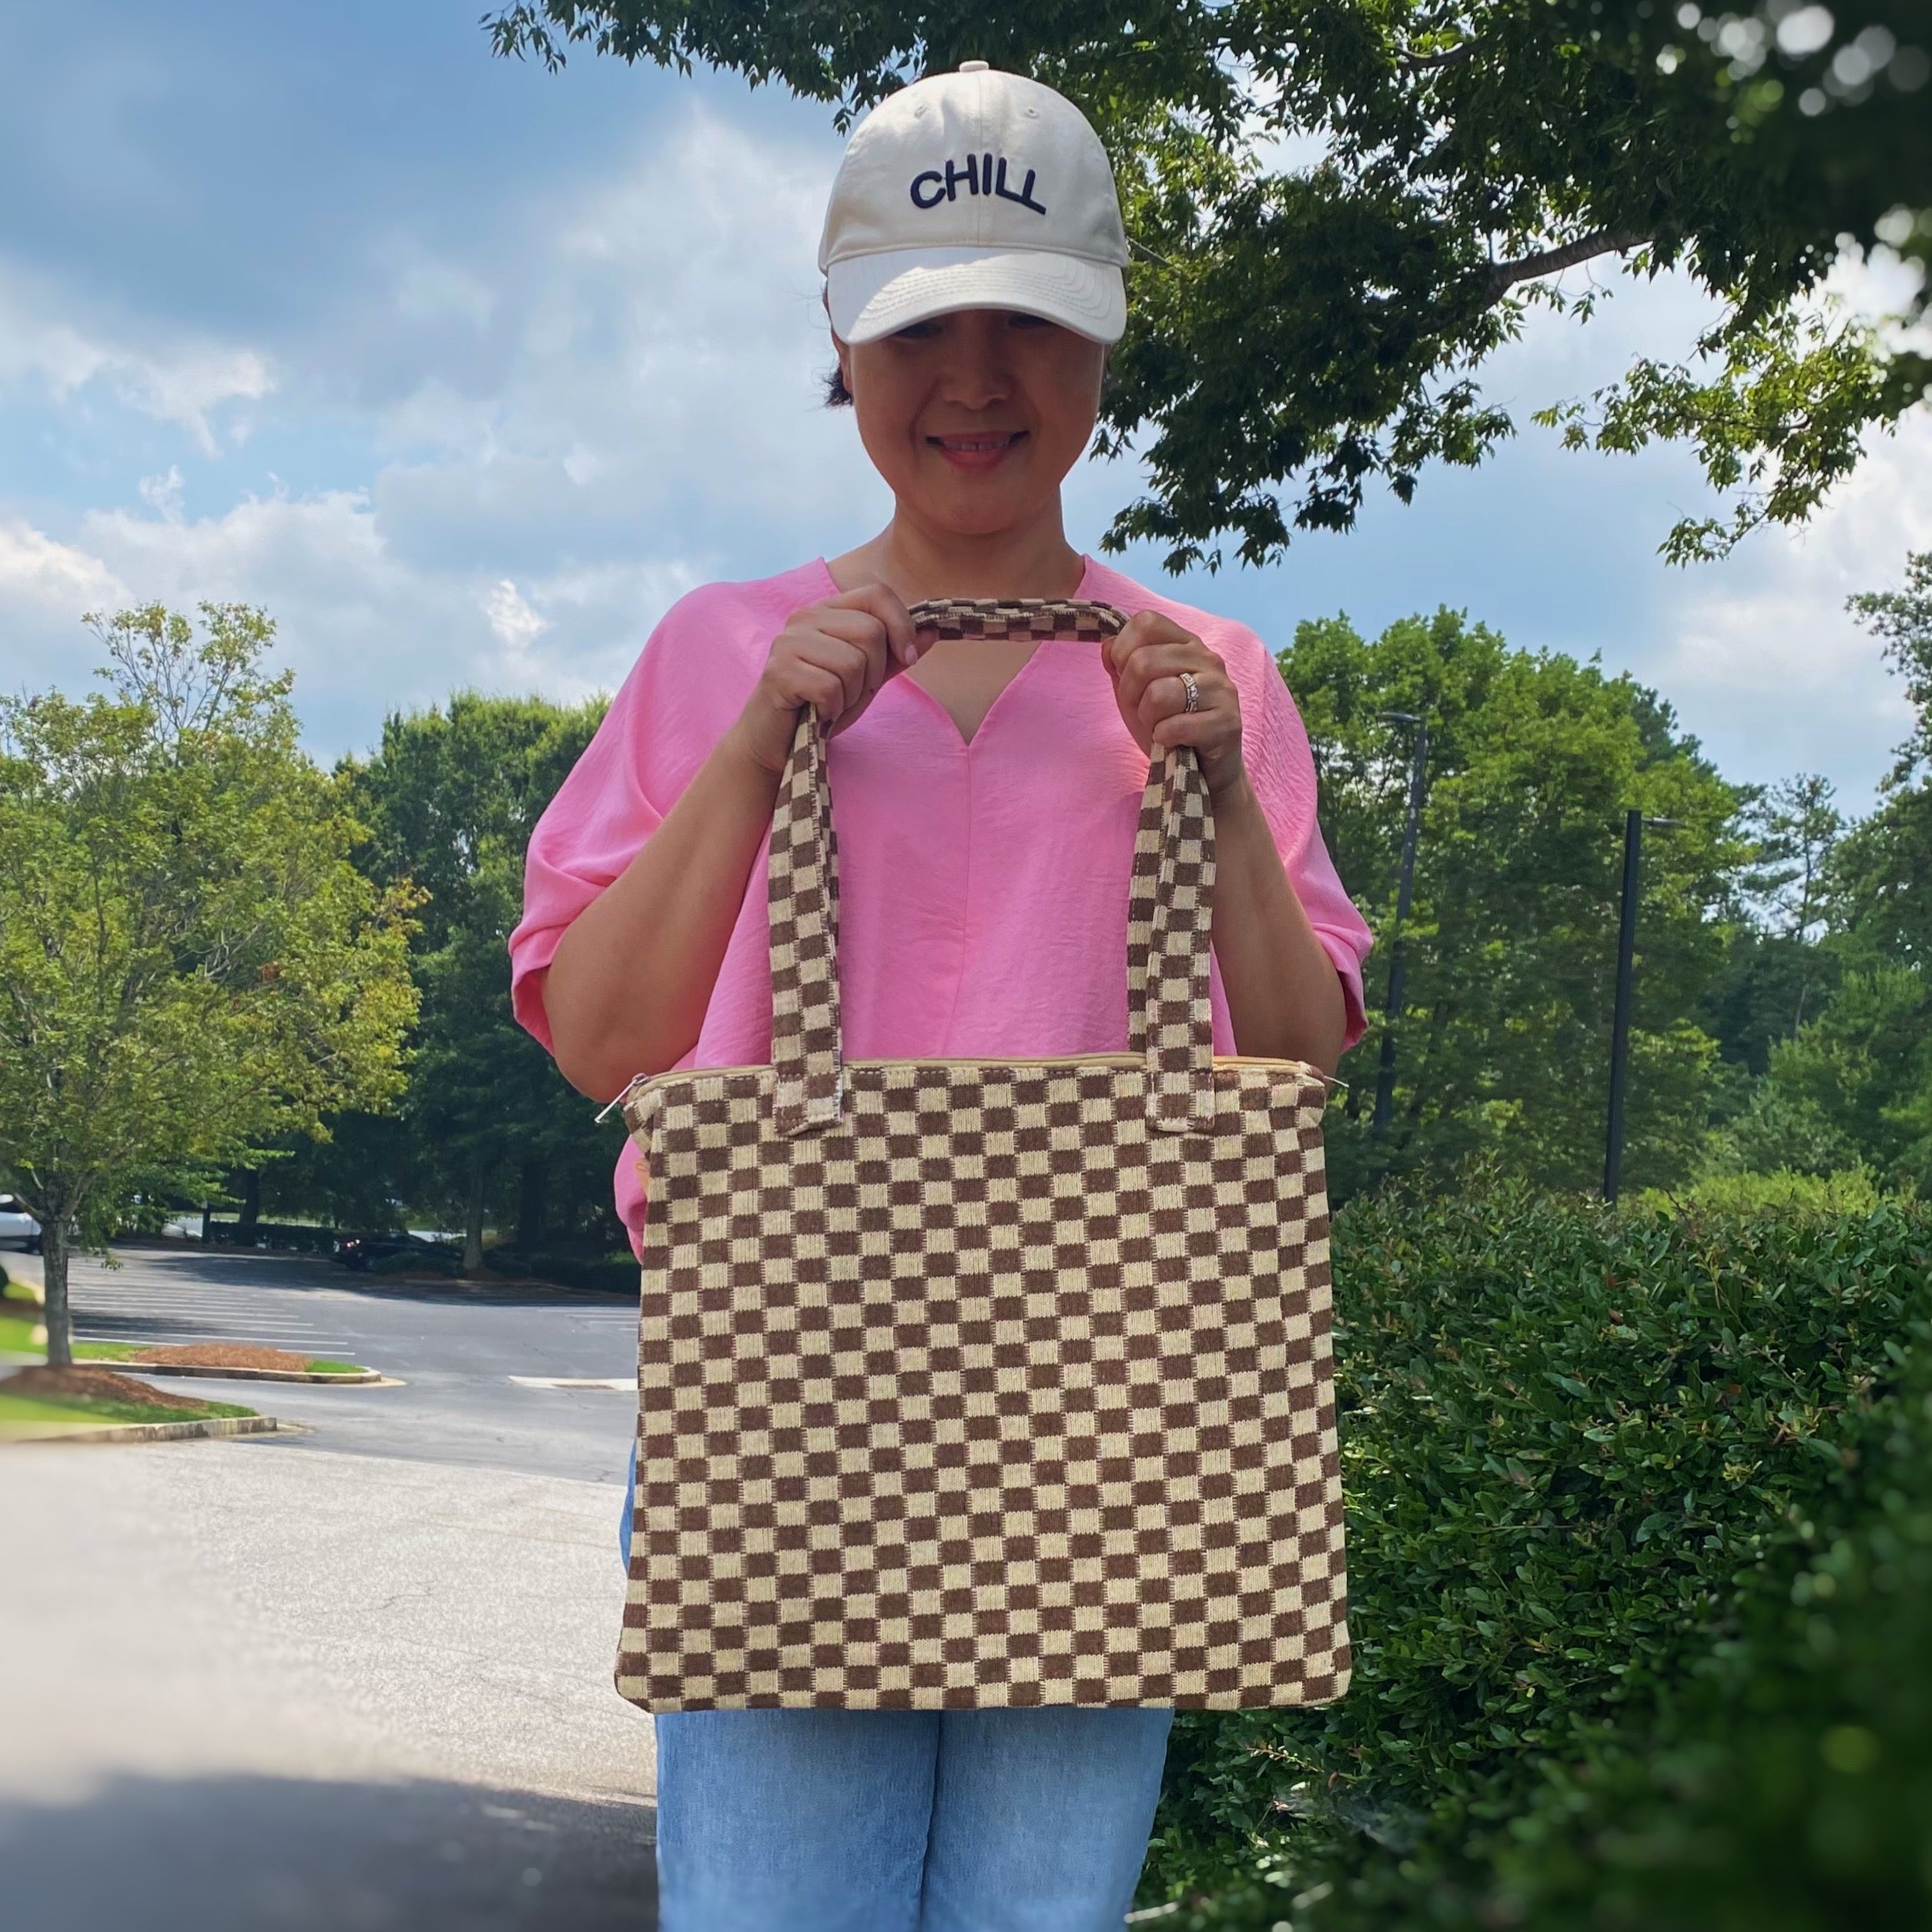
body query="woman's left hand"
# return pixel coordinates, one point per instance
(1149, 662)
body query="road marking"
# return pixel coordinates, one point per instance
(625, 1384)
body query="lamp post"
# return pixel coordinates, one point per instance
(1385, 1072)
(1634, 823)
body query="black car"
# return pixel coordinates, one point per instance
(391, 1253)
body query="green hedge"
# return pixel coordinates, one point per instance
(1591, 1462)
(1853, 1190)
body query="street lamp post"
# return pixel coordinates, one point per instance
(1385, 1072)
(1634, 823)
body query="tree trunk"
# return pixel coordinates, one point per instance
(53, 1267)
(473, 1220)
(533, 1188)
(251, 1196)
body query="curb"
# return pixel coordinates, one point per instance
(363, 1379)
(207, 1425)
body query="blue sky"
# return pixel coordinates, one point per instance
(465, 371)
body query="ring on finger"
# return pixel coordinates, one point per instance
(1193, 690)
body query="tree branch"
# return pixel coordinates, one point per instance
(1428, 63)
(1504, 275)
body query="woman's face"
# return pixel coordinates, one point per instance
(975, 418)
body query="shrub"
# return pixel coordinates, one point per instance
(1851, 1190)
(1776, 1130)
(1793, 1789)
(1582, 1451)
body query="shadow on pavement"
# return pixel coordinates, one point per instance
(260, 1854)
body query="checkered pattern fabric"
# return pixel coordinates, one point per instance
(986, 1382)
(804, 900)
(991, 616)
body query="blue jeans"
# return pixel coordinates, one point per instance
(903, 1821)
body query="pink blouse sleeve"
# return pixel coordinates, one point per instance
(660, 729)
(1281, 768)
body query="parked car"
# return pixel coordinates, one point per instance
(17, 1226)
(390, 1253)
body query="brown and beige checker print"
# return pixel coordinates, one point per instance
(803, 891)
(986, 1383)
(991, 617)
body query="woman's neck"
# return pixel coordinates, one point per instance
(918, 562)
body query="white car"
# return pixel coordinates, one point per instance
(17, 1225)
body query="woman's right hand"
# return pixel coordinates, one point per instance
(835, 656)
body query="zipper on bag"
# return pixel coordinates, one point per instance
(636, 1081)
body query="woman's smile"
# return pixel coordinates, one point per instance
(977, 449)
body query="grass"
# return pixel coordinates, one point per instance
(16, 1335)
(80, 1408)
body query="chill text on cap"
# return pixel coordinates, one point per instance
(979, 176)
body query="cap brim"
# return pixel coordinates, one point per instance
(871, 296)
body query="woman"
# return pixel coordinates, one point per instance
(986, 796)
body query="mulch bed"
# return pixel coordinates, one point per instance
(224, 1355)
(102, 1384)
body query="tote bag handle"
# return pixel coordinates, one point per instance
(1170, 905)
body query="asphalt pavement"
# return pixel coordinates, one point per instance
(455, 1349)
(355, 1677)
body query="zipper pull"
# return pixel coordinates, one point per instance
(636, 1081)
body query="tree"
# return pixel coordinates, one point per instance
(369, 1173)
(1862, 1071)
(1881, 880)
(1503, 1044)
(189, 962)
(1864, 1067)
(1339, 209)
(1778, 969)
(451, 797)
(1903, 619)
(1797, 824)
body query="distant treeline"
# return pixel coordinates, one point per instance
(1783, 1015)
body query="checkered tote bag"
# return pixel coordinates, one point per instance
(986, 1382)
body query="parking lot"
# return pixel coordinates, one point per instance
(358, 1676)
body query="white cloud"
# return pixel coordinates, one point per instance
(162, 494)
(366, 631)
(654, 361)
(432, 290)
(516, 625)
(1758, 653)
(40, 578)
(184, 381)
(621, 406)
(1764, 644)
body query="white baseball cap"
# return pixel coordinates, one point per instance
(977, 189)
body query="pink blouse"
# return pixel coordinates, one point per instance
(983, 887)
